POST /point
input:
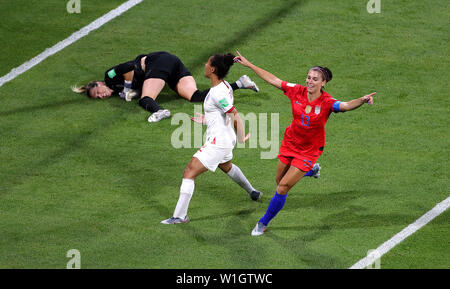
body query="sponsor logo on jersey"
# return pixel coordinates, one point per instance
(290, 84)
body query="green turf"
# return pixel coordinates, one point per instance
(95, 176)
(30, 26)
(428, 248)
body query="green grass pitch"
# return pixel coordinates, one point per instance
(95, 176)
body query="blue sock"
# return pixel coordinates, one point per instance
(309, 174)
(275, 205)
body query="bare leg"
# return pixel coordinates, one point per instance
(290, 178)
(152, 87)
(281, 171)
(186, 86)
(193, 169)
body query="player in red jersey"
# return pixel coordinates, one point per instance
(304, 138)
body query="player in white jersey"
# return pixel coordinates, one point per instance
(219, 133)
(222, 120)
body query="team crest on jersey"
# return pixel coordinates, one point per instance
(317, 109)
(308, 109)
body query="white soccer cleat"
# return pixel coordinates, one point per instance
(173, 220)
(248, 83)
(316, 170)
(159, 115)
(259, 229)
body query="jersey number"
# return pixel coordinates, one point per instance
(305, 120)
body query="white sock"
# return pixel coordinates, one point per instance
(127, 86)
(186, 192)
(239, 83)
(238, 177)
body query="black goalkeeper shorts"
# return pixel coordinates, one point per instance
(165, 66)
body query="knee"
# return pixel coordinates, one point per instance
(187, 172)
(283, 188)
(226, 167)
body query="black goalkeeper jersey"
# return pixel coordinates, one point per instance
(114, 76)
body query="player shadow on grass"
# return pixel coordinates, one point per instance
(239, 213)
(349, 216)
(300, 248)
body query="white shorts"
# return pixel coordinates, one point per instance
(212, 156)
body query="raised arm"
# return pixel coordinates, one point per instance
(267, 76)
(357, 102)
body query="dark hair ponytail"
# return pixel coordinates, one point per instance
(325, 71)
(222, 63)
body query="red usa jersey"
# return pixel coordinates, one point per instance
(306, 133)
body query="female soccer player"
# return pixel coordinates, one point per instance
(220, 117)
(148, 74)
(304, 138)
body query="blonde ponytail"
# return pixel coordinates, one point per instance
(76, 89)
(85, 88)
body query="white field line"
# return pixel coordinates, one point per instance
(405, 233)
(69, 40)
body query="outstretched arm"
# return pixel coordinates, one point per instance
(357, 102)
(267, 76)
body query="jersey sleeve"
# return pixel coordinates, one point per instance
(287, 87)
(291, 89)
(114, 76)
(224, 102)
(334, 104)
(124, 67)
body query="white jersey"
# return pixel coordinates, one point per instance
(217, 103)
